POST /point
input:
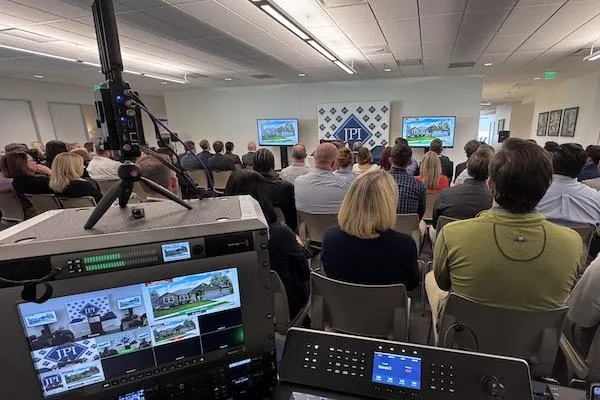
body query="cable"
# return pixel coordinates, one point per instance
(53, 272)
(459, 327)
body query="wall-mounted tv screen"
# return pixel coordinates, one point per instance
(277, 132)
(420, 131)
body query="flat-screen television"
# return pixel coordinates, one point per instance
(277, 132)
(420, 131)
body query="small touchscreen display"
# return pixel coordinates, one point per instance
(397, 370)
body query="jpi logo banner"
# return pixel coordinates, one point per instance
(368, 122)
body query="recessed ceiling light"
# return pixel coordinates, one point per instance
(39, 76)
(227, 79)
(486, 103)
(164, 83)
(487, 64)
(387, 70)
(302, 75)
(537, 78)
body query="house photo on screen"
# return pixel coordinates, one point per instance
(277, 132)
(420, 131)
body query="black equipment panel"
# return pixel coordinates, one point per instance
(394, 370)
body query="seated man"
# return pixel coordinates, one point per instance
(413, 168)
(188, 159)
(411, 193)
(229, 146)
(509, 256)
(157, 172)
(218, 162)
(102, 167)
(247, 159)
(470, 148)
(437, 146)
(298, 166)
(321, 191)
(205, 154)
(590, 169)
(469, 199)
(567, 199)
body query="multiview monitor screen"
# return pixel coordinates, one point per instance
(420, 131)
(94, 337)
(277, 132)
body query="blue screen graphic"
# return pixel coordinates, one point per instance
(139, 395)
(277, 132)
(596, 392)
(397, 370)
(176, 251)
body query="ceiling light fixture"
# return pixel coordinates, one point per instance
(227, 79)
(593, 56)
(164, 83)
(39, 76)
(486, 103)
(488, 64)
(37, 53)
(164, 78)
(387, 70)
(289, 23)
(537, 78)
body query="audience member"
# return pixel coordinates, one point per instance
(592, 158)
(103, 167)
(168, 152)
(89, 146)
(248, 158)
(229, 146)
(464, 175)
(287, 256)
(83, 153)
(27, 175)
(411, 193)
(343, 163)
(54, 148)
(72, 146)
(159, 173)
(510, 256)
(437, 146)
(14, 147)
(413, 168)
(469, 199)
(364, 161)
(431, 173)
(567, 199)
(39, 146)
(321, 191)
(66, 179)
(366, 219)
(531, 141)
(470, 147)
(550, 146)
(5, 183)
(218, 162)
(189, 161)
(36, 155)
(298, 166)
(205, 153)
(385, 163)
(281, 193)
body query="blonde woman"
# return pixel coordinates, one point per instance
(66, 181)
(364, 161)
(363, 248)
(431, 173)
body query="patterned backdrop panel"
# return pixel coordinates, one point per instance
(368, 122)
(88, 307)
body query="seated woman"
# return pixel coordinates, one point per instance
(54, 148)
(343, 162)
(431, 173)
(66, 180)
(364, 249)
(364, 161)
(384, 162)
(286, 253)
(27, 175)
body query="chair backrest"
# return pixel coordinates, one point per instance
(531, 335)
(366, 310)
(105, 185)
(409, 224)
(199, 176)
(77, 202)
(221, 179)
(280, 302)
(11, 208)
(43, 202)
(314, 226)
(586, 231)
(442, 221)
(429, 204)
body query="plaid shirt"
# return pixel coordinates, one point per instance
(411, 192)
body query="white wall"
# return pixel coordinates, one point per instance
(40, 94)
(231, 113)
(520, 119)
(503, 111)
(583, 91)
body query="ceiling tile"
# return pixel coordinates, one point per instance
(394, 9)
(485, 5)
(401, 30)
(505, 44)
(440, 27)
(526, 20)
(366, 34)
(406, 50)
(435, 7)
(437, 49)
(351, 14)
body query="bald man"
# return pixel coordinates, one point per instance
(248, 158)
(321, 191)
(298, 167)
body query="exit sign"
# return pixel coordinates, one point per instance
(549, 74)
(97, 87)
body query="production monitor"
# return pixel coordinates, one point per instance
(277, 132)
(420, 131)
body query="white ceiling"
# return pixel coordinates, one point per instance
(233, 39)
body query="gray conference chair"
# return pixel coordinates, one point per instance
(583, 367)
(283, 320)
(429, 205)
(11, 209)
(105, 185)
(43, 202)
(313, 226)
(409, 224)
(77, 202)
(530, 335)
(586, 232)
(366, 310)
(221, 179)
(199, 176)
(443, 221)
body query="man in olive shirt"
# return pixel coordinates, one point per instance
(510, 256)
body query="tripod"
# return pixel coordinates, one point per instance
(129, 173)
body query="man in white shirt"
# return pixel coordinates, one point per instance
(321, 191)
(298, 167)
(157, 172)
(102, 167)
(567, 199)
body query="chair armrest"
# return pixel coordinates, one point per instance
(317, 311)
(297, 321)
(282, 313)
(400, 324)
(575, 362)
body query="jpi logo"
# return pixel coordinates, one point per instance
(352, 134)
(69, 351)
(352, 130)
